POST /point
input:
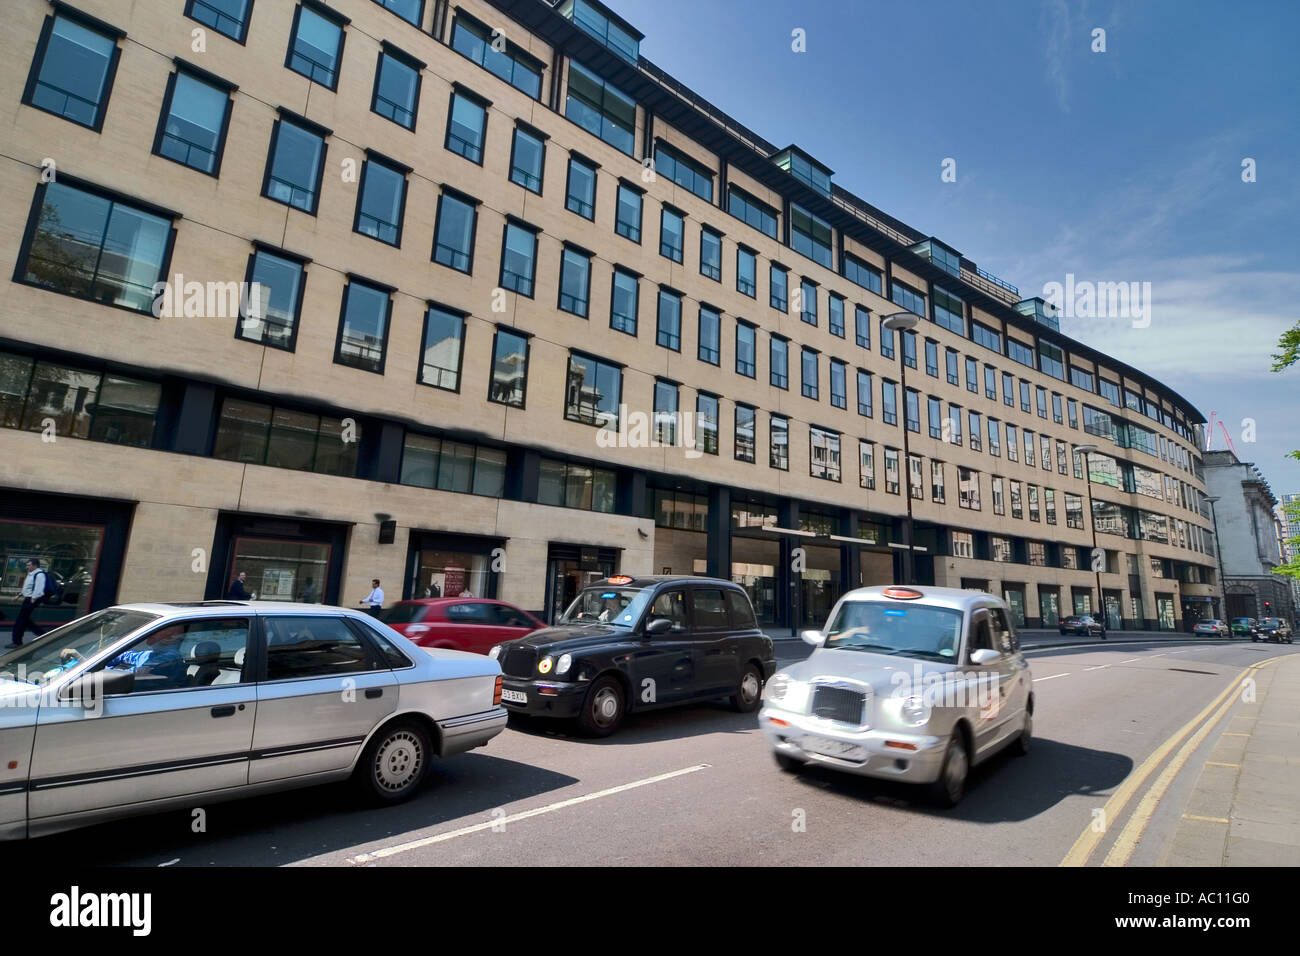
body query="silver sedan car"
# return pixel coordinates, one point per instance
(911, 684)
(146, 707)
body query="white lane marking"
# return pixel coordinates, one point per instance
(1053, 677)
(524, 815)
(169, 862)
(1131, 660)
(1097, 668)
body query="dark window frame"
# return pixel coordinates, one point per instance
(87, 22)
(343, 314)
(201, 76)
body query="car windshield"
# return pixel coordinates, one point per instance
(620, 607)
(65, 647)
(896, 627)
(403, 613)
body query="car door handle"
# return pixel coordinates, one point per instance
(227, 711)
(373, 692)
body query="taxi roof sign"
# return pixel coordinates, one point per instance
(902, 594)
(619, 579)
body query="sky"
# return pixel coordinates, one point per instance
(1115, 165)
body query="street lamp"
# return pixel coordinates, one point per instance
(1218, 554)
(904, 322)
(1085, 451)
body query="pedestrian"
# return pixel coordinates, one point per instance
(33, 595)
(237, 591)
(308, 595)
(374, 601)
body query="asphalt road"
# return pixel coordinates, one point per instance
(698, 786)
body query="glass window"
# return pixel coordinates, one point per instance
(1051, 360)
(862, 326)
(912, 408)
(75, 72)
(380, 202)
(185, 656)
(627, 221)
(779, 442)
(527, 160)
(949, 311)
(711, 254)
(92, 247)
(972, 375)
(1017, 507)
(995, 438)
(580, 194)
(836, 321)
(986, 337)
(839, 387)
(520, 259)
(601, 108)
(453, 235)
(593, 391)
(229, 17)
(892, 485)
(935, 416)
(954, 424)
(900, 293)
(504, 59)
(279, 283)
(778, 361)
(444, 339)
(757, 214)
(889, 402)
(857, 271)
(509, 368)
(936, 481)
(864, 393)
(665, 413)
(746, 361)
(1024, 396)
(931, 358)
(668, 331)
(808, 377)
(684, 171)
(408, 10)
(292, 441)
(316, 46)
(809, 235)
(575, 281)
(1008, 390)
(744, 436)
(990, 382)
(293, 176)
(1019, 352)
(466, 125)
(975, 431)
(706, 423)
(624, 302)
(1033, 503)
(916, 481)
(886, 342)
(397, 90)
(824, 453)
(968, 488)
(363, 331)
(807, 306)
(1056, 409)
(316, 646)
(1049, 505)
(81, 404)
(672, 235)
(778, 280)
(866, 465)
(746, 271)
(710, 337)
(193, 127)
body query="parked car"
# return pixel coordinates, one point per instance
(1213, 627)
(146, 707)
(1244, 627)
(1274, 629)
(912, 684)
(459, 624)
(1083, 624)
(630, 644)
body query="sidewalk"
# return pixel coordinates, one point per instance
(1244, 809)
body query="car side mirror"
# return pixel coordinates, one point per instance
(984, 655)
(659, 625)
(88, 689)
(815, 638)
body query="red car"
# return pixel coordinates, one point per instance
(462, 624)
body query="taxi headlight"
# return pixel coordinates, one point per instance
(777, 687)
(563, 664)
(545, 664)
(495, 652)
(914, 711)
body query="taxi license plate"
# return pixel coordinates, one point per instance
(832, 748)
(514, 697)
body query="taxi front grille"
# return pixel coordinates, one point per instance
(842, 704)
(519, 662)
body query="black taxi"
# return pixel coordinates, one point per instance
(639, 643)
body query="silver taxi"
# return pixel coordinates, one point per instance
(916, 684)
(146, 707)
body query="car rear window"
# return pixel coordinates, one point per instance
(710, 610)
(742, 613)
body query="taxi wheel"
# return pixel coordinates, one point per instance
(393, 763)
(948, 790)
(749, 692)
(787, 763)
(602, 709)
(1021, 746)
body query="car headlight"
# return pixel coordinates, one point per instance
(563, 664)
(545, 664)
(914, 711)
(495, 652)
(777, 687)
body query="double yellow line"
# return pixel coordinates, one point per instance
(1128, 838)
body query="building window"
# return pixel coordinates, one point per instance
(859, 273)
(72, 75)
(779, 442)
(1019, 352)
(706, 423)
(710, 336)
(580, 194)
(397, 89)
(228, 17)
(809, 235)
(839, 385)
(684, 171)
(453, 233)
(192, 128)
(672, 234)
(600, 108)
(808, 373)
(408, 10)
(1051, 360)
(1029, 448)
(986, 337)
(363, 327)
(1000, 549)
(627, 221)
(744, 434)
(972, 375)
(886, 342)
(1017, 508)
(912, 409)
(746, 362)
(915, 479)
(900, 293)
(778, 361)
(81, 403)
(444, 344)
(575, 281)
(92, 246)
(934, 409)
(864, 393)
(1033, 502)
(891, 471)
(475, 41)
(711, 254)
(990, 382)
(509, 369)
(968, 488)
(665, 413)
(624, 302)
(1037, 552)
(778, 280)
(746, 272)
(1045, 443)
(949, 311)
(668, 332)
(1049, 504)
(571, 485)
(889, 402)
(999, 503)
(258, 434)
(381, 198)
(823, 453)
(280, 283)
(1056, 409)
(936, 481)
(954, 424)
(862, 326)
(1008, 390)
(1109, 391)
(748, 209)
(909, 349)
(527, 160)
(593, 391)
(518, 259)
(293, 176)
(466, 127)
(995, 438)
(866, 465)
(1081, 379)
(963, 544)
(976, 431)
(1062, 465)
(1024, 396)
(453, 466)
(317, 46)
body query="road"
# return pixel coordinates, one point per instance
(697, 786)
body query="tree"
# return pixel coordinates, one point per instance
(1289, 343)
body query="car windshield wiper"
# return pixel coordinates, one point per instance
(865, 647)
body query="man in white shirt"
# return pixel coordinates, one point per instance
(33, 597)
(374, 602)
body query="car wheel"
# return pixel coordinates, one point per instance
(749, 692)
(394, 763)
(602, 709)
(1021, 746)
(948, 790)
(787, 763)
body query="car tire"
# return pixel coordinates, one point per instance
(749, 692)
(950, 787)
(394, 763)
(1021, 747)
(603, 708)
(787, 763)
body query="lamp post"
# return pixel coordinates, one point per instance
(1218, 556)
(1085, 451)
(902, 323)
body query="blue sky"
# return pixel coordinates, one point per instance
(1118, 166)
